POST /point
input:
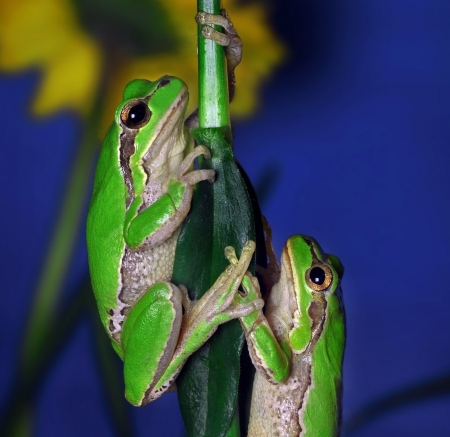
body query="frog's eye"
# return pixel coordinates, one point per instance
(135, 114)
(319, 277)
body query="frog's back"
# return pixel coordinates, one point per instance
(104, 228)
(323, 411)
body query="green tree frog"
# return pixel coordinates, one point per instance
(142, 193)
(297, 346)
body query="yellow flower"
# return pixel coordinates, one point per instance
(82, 49)
(45, 34)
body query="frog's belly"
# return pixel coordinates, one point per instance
(276, 408)
(142, 269)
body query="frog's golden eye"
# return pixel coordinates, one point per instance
(135, 114)
(319, 277)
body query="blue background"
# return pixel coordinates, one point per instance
(354, 135)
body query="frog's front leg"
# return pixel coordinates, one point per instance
(271, 358)
(157, 338)
(149, 227)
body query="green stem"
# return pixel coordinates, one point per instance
(53, 273)
(208, 385)
(213, 109)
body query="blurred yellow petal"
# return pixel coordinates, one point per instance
(65, 84)
(262, 53)
(45, 34)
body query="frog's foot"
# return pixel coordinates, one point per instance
(229, 39)
(217, 305)
(250, 290)
(249, 285)
(231, 256)
(271, 274)
(192, 177)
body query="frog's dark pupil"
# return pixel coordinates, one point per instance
(317, 275)
(137, 114)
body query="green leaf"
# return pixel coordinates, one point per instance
(221, 215)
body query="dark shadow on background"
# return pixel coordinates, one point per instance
(421, 392)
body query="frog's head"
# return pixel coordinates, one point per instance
(151, 117)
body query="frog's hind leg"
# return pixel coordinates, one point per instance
(149, 338)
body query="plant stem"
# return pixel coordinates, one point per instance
(58, 257)
(213, 83)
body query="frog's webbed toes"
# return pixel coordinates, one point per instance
(195, 176)
(220, 38)
(189, 159)
(244, 309)
(230, 255)
(229, 38)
